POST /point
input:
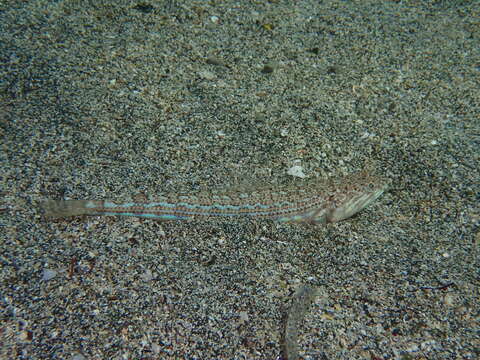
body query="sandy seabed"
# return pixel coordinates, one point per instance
(112, 100)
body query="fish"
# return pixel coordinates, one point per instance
(314, 201)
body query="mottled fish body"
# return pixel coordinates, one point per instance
(312, 201)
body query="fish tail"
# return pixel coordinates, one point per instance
(66, 208)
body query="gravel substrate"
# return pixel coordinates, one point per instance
(115, 99)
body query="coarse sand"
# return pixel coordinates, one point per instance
(121, 99)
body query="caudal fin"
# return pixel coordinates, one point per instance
(65, 208)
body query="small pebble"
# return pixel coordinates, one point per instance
(296, 171)
(48, 274)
